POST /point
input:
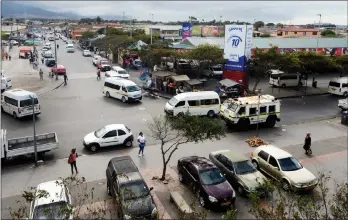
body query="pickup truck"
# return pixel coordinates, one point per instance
(25, 145)
(343, 104)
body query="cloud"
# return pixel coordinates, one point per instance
(294, 12)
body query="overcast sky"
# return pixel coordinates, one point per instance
(288, 12)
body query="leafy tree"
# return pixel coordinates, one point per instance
(88, 35)
(138, 32)
(173, 132)
(279, 25)
(258, 24)
(204, 56)
(270, 24)
(98, 20)
(4, 36)
(328, 33)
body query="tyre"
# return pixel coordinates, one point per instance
(211, 113)
(2, 109)
(201, 199)
(107, 94)
(94, 147)
(270, 122)
(14, 115)
(300, 84)
(285, 185)
(243, 124)
(241, 190)
(283, 85)
(181, 178)
(124, 99)
(255, 163)
(345, 94)
(108, 189)
(128, 143)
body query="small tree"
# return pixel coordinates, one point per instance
(98, 20)
(204, 56)
(88, 35)
(328, 33)
(173, 132)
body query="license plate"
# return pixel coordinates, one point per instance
(226, 203)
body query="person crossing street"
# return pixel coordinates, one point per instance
(41, 74)
(65, 79)
(142, 143)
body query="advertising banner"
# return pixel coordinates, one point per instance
(186, 30)
(238, 43)
(197, 30)
(210, 31)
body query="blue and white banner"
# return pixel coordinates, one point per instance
(186, 30)
(238, 43)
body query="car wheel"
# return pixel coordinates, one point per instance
(211, 114)
(285, 185)
(241, 190)
(181, 178)
(14, 115)
(200, 198)
(345, 94)
(256, 164)
(94, 147)
(2, 109)
(128, 143)
(283, 85)
(124, 99)
(108, 189)
(107, 94)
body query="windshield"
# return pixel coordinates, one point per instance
(98, 133)
(211, 177)
(233, 106)
(28, 102)
(244, 167)
(173, 101)
(217, 69)
(132, 88)
(289, 164)
(137, 62)
(57, 210)
(275, 76)
(122, 72)
(334, 84)
(104, 62)
(86, 51)
(134, 190)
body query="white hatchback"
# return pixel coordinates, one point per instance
(87, 53)
(110, 135)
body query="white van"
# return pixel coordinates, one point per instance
(18, 103)
(280, 79)
(70, 48)
(196, 103)
(339, 86)
(6, 83)
(117, 71)
(123, 89)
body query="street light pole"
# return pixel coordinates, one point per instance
(151, 27)
(55, 52)
(34, 128)
(318, 31)
(258, 112)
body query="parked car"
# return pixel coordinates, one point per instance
(45, 48)
(86, 53)
(343, 104)
(136, 64)
(126, 183)
(95, 59)
(47, 54)
(117, 71)
(104, 65)
(207, 182)
(239, 171)
(14, 42)
(213, 71)
(55, 206)
(60, 70)
(110, 135)
(50, 62)
(283, 167)
(6, 83)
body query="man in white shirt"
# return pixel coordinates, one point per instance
(142, 143)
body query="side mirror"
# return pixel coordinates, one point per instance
(151, 188)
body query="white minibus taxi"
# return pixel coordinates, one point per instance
(123, 89)
(195, 103)
(18, 103)
(280, 79)
(339, 86)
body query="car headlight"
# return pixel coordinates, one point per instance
(154, 212)
(212, 199)
(127, 217)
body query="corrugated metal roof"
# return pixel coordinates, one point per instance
(264, 43)
(167, 27)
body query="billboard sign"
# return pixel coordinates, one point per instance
(210, 31)
(197, 30)
(238, 43)
(186, 30)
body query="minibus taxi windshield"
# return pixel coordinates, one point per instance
(132, 88)
(232, 106)
(173, 101)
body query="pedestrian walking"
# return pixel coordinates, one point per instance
(142, 143)
(42, 60)
(65, 79)
(72, 161)
(9, 57)
(6, 56)
(307, 144)
(41, 74)
(98, 74)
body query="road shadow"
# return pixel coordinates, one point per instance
(106, 150)
(27, 160)
(114, 101)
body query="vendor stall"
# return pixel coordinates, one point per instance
(231, 88)
(194, 85)
(159, 77)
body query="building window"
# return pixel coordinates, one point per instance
(304, 33)
(286, 33)
(295, 32)
(315, 33)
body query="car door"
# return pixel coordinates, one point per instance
(180, 107)
(116, 91)
(228, 169)
(121, 136)
(263, 160)
(194, 107)
(273, 168)
(109, 139)
(188, 170)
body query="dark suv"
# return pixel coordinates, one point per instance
(126, 184)
(206, 181)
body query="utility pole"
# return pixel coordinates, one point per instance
(34, 128)
(55, 52)
(151, 27)
(318, 31)
(258, 112)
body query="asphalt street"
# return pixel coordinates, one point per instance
(74, 110)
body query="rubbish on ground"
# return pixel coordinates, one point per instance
(256, 142)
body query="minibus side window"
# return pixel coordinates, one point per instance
(193, 103)
(344, 85)
(181, 103)
(334, 84)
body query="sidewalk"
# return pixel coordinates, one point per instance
(25, 77)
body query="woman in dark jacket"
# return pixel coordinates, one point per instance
(307, 144)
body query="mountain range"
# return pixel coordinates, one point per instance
(11, 9)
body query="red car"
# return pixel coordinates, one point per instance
(60, 70)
